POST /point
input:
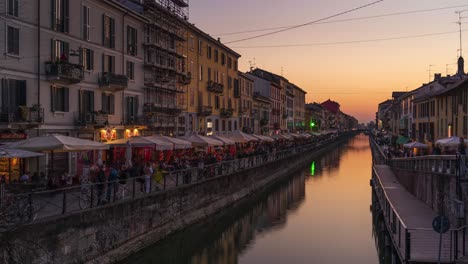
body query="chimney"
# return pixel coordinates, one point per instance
(219, 39)
(437, 76)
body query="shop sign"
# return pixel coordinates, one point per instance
(10, 136)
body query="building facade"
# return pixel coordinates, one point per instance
(245, 92)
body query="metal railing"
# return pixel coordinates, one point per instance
(419, 244)
(64, 72)
(22, 114)
(20, 208)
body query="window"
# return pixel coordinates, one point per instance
(209, 74)
(131, 108)
(130, 70)
(201, 73)
(13, 7)
(208, 52)
(85, 22)
(13, 93)
(86, 101)
(60, 15)
(235, 65)
(12, 41)
(216, 55)
(132, 41)
(108, 63)
(191, 43)
(200, 47)
(60, 50)
(229, 82)
(59, 98)
(107, 103)
(229, 63)
(87, 59)
(108, 32)
(216, 102)
(223, 59)
(216, 125)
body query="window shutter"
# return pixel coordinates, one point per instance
(66, 49)
(4, 93)
(136, 105)
(52, 99)
(103, 102)
(82, 53)
(112, 104)
(112, 33)
(91, 100)
(52, 47)
(135, 43)
(66, 13)
(21, 92)
(66, 100)
(91, 59)
(112, 64)
(128, 107)
(104, 63)
(54, 14)
(104, 30)
(129, 40)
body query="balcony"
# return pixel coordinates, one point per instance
(134, 120)
(226, 112)
(111, 82)
(96, 119)
(64, 73)
(215, 87)
(185, 78)
(205, 110)
(166, 109)
(22, 114)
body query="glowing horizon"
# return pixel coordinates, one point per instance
(357, 75)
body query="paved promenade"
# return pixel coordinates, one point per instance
(404, 212)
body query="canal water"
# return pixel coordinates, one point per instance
(320, 215)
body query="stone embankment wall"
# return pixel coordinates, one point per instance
(110, 233)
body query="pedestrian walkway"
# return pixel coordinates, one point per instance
(410, 221)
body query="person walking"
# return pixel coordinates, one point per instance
(111, 183)
(462, 147)
(101, 180)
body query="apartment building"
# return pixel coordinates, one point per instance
(211, 105)
(245, 93)
(299, 109)
(261, 114)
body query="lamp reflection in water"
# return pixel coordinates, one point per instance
(312, 169)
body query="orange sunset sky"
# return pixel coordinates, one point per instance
(387, 52)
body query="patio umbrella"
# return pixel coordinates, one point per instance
(18, 153)
(202, 141)
(415, 144)
(142, 142)
(57, 143)
(177, 143)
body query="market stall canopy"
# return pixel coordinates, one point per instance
(264, 138)
(315, 134)
(450, 141)
(240, 137)
(142, 142)
(58, 143)
(225, 140)
(18, 153)
(415, 144)
(402, 140)
(306, 135)
(178, 143)
(202, 141)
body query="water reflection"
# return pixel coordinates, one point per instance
(319, 216)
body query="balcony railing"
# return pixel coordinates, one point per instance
(97, 119)
(159, 108)
(185, 78)
(205, 110)
(134, 119)
(22, 114)
(64, 72)
(112, 82)
(215, 87)
(226, 112)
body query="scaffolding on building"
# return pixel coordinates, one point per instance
(165, 76)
